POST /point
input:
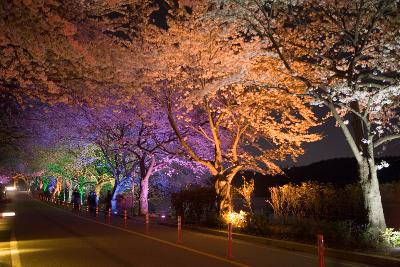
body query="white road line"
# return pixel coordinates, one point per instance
(15, 259)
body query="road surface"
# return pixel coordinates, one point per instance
(41, 235)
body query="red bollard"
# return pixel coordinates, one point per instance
(147, 222)
(109, 215)
(125, 217)
(179, 230)
(229, 252)
(87, 209)
(73, 206)
(79, 207)
(67, 205)
(97, 212)
(321, 262)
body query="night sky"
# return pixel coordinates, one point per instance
(334, 145)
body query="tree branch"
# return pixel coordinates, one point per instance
(385, 139)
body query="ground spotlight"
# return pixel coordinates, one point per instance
(8, 214)
(11, 188)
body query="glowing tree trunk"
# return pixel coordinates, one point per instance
(145, 174)
(372, 196)
(362, 145)
(223, 186)
(144, 193)
(114, 197)
(223, 191)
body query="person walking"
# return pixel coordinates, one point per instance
(92, 203)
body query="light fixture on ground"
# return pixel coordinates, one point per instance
(8, 214)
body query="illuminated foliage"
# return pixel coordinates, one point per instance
(4, 179)
(246, 192)
(222, 122)
(342, 55)
(237, 219)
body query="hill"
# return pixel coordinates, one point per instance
(339, 172)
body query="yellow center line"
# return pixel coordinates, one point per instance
(161, 240)
(15, 259)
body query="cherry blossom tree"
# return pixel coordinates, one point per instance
(345, 56)
(222, 123)
(135, 140)
(154, 152)
(5, 179)
(57, 53)
(240, 129)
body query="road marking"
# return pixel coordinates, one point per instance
(159, 240)
(15, 259)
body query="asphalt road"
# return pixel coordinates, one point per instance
(41, 235)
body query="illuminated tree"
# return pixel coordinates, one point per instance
(224, 124)
(57, 53)
(4, 179)
(238, 129)
(345, 55)
(153, 151)
(135, 140)
(88, 167)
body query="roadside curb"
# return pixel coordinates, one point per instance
(370, 259)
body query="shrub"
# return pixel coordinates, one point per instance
(238, 220)
(375, 238)
(246, 192)
(318, 201)
(214, 220)
(194, 203)
(391, 237)
(258, 225)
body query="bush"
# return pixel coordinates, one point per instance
(258, 225)
(340, 234)
(194, 203)
(391, 237)
(318, 201)
(334, 232)
(374, 238)
(214, 220)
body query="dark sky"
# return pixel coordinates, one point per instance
(334, 145)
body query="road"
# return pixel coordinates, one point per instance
(41, 235)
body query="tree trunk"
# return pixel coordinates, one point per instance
(223, 184)
(97, 188)
(115, 191)
(70, 190)
(145, 174)
(372, 196)
(364, 153)
(144, 194)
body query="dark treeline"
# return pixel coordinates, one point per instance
(338, 171)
